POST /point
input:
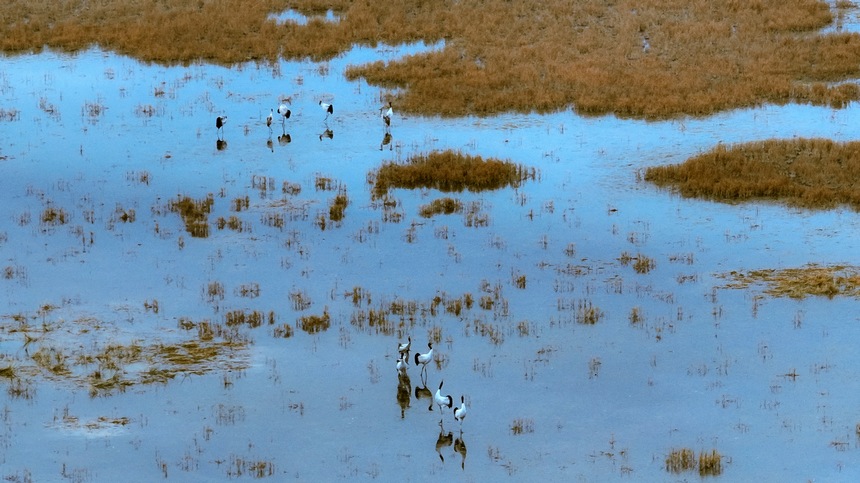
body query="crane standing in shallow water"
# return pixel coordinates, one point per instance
(220, 121)
(424, 358)
(284, 111)
(328, 108)
(386, 115)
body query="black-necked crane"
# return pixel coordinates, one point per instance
(269, 119)
(220, 121)
(285, 112)
(328, 108)
(387, 114)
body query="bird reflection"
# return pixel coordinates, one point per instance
(328, 133)
(270, 145)
(284, 139)
(386, 141)
(423, 392)
(220, 145)
(443, 440)
(460, 447)
(403, 393)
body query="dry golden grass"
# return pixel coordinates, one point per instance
(710, 464)
(811, 280)
(680, 460)
(449, 171)
(701, 56)
(810, 173)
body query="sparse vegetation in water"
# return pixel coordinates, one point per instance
(808, 173)
(251, 319)
(684, 459)
(710, 464)
(441, 206)
(239, 466)
(641, 263)
(313, 324)
(680, 460)
(635, 315)
(283, 331)
(523, 426)
(195, 213)
(587, 313)
(449, 171)
(110, 367)
(233, 223)
(300, 299)
(798, 283)
(337, 208)
(53, 216)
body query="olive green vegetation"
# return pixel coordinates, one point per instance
(808, 173)
(635, 58)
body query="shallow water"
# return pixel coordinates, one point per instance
(769, 383)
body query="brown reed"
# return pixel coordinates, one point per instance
(635, 58)
(449, 171)
(809, 173)
(798, 283)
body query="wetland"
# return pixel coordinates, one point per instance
(186, 303)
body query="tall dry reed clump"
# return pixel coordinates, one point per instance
(809, 173)
(636, 58)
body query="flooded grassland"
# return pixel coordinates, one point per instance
(186, 303)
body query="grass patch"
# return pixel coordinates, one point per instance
(587, 313)
(195, 214)
(809, 173)
(53, 216)
(523, 426)
(798, 283)
(337, 208)
(680, 460)
(709, 463)
(449, 171)
(441, 206)
(313, 324)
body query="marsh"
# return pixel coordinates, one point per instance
(186, 303)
